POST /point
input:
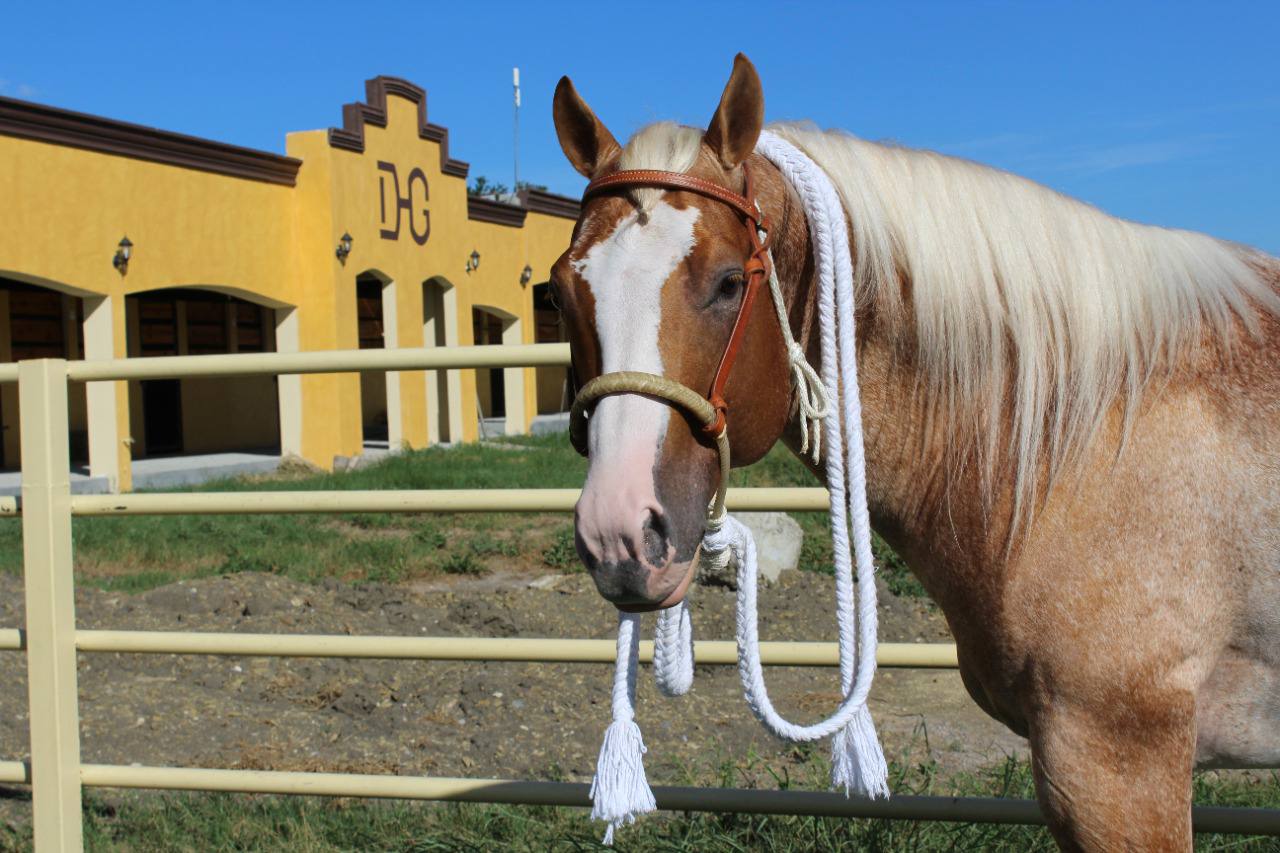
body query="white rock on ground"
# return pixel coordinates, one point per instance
(778, 539)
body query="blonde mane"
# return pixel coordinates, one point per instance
(1031, 314)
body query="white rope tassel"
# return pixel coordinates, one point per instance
(673, 650)
(620, 791)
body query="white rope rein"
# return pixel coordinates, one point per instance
(620, 791)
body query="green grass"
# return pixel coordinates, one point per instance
(141, 552)
(150, 822)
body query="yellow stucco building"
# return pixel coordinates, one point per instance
(240, 250)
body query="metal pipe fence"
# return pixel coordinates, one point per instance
(52, 641)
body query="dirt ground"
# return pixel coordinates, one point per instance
(461, 718)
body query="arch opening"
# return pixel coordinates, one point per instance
(499, 391)
(205, 415)
(554, 393)
(42, 319)
(380, 422)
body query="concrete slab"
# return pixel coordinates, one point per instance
(541, 425)
(545, 424)
(169, 472)
(81, 483)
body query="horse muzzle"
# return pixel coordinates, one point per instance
(623, 534)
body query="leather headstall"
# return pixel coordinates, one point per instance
(755, 269)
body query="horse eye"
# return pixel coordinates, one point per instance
(730, 284)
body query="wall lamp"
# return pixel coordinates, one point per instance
(526, 275)
(124, 251)
(473, 262)
(344, 248)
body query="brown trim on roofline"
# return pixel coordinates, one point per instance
(487, 210)
(540, 201)
(373, 110)
(41, 123)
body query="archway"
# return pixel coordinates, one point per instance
(499, 391)
(552, 382)
(202, 415)
(444, 387)
(40, 318)
(379, 390)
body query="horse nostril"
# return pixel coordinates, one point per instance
(656, 539)
(589, 559)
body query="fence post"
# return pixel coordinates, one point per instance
(50, 606)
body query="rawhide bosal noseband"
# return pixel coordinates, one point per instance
(710, 411)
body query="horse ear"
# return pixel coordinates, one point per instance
(736, 125)
(586, 142)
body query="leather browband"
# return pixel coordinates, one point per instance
(678, 181)
(755, 269)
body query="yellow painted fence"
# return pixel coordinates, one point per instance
(52, 641)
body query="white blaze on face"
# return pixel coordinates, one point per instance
(626, 272)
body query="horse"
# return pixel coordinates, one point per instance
(1071, 426)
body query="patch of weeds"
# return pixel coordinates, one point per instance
(239, 560)
(430, 536)
(383, 560)
(461, 563)
(387, 571)
(494, 548)
(561, 553)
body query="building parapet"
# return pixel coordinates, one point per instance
(43, 123)
(373, 110)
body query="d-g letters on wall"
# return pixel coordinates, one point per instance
(403, 203)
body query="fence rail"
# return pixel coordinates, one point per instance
(329, 361)
(542, 650)
(425, 500)
(52, 642)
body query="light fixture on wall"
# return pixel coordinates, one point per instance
(473, 262)
(124, 251)
(344, 248)
(526, 275)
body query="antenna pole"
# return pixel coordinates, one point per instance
(515, 82)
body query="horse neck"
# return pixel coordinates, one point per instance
(928, 507)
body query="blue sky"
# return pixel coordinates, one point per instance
(1161, 112)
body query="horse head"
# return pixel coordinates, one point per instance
(653, 282)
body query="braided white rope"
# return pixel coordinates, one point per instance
(620, 791)
(673, 650)
(857, 759)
